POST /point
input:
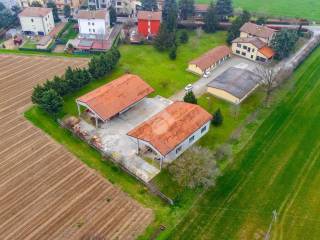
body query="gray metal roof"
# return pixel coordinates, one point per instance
(236, 81)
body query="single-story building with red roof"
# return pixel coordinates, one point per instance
(209, 60)
(114, 98)
(172, 131)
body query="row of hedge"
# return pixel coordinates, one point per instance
(49, 96)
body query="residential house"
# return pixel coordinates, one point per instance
(252, 48)
(126, 7)
(234, 85)
(114, 98)
(28, 3)
(209, 60)
(200, 11)
(93, 24)
(264, 33)
(172, 131)
(99, 4)
(74, 4)
(149, 23)
(36, 21)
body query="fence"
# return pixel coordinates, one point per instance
(152, 188)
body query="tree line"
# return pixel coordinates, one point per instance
(49, 96)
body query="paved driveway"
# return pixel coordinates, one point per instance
(200, 86)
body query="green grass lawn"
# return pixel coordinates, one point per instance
(309, 9)
(30, 44)
(164, 75)
(277, 170)
(69, 33)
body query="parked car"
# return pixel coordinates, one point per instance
(188, 88)
(206, 75)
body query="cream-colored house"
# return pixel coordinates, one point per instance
(74, 4)
(252, 48)
(36, 21)
(234, 85)
(209, 60)
(264, 33)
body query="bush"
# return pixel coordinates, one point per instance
(184, 37)
(189, 97)
(173, 53)
(217, 118)
(51, 102)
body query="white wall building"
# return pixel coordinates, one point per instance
(99, 4)
(93, 24)
(172, 131)
(36, 21)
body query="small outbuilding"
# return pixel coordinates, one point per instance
(172, 131)
(234, 85)
(114, 98)
(209, 60)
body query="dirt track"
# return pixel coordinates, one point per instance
(45, 192)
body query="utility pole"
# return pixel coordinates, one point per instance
(274, 219)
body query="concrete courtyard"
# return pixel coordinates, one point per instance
(114, 139)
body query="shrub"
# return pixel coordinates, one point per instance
(190, 98)
(173, 53)
(217, 118)
(51, 102)
(184, 37)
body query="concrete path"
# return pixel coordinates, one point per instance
(200, 86)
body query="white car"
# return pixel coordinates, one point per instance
(188, 88)
(205, 75)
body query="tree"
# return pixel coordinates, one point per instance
(284, 42)
(189, 97)
(173, 53)
(267, 78)
(186, 9)
(67, 11)
(224, 9)
(210, 20)
(37, 94)
(261, 21)
(184, 37)
(164, 40)
(149, 5)
(36, 4)
(234, 30)
(6, 17)
(195, 168)
(170, 13)
(113, 16)
(54, 11)
(217, 118)
(51, 102)
(2, 6)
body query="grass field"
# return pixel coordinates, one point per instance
(164, 75)
(278, 170)
(309, 9)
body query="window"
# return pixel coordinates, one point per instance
(88, 23)
(249, 49)
(178, 149)
(203, 129)
(245, 47)
(191, 139)
(252, 56)
(32, 20)
(252, 49)
(239, 45)
(118, 3)
(92, 24)
(93, 30)
(243, 54)
(89, 29)
(237, 51)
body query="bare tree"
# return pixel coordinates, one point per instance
(267, 78)
(196, 167)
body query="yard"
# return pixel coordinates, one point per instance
(30, 44)
(277, 170)
(279, 8)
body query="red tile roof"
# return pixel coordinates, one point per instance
(209, 58)
(257, 30)
(200, 7)
(35, 12)
(114, 97)
(266, 51)
(253, 40)
(170, 127)
(149, 15)
(94, 14)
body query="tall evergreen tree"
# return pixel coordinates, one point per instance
(217, 118)
(211, 20)
(112, 15)
(165, 40)
(186, 9)
(169, 6)
(234, 30)
(149, 5)
(224, 9)
(67, 11)
(55, 14)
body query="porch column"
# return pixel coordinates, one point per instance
(96, 121)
